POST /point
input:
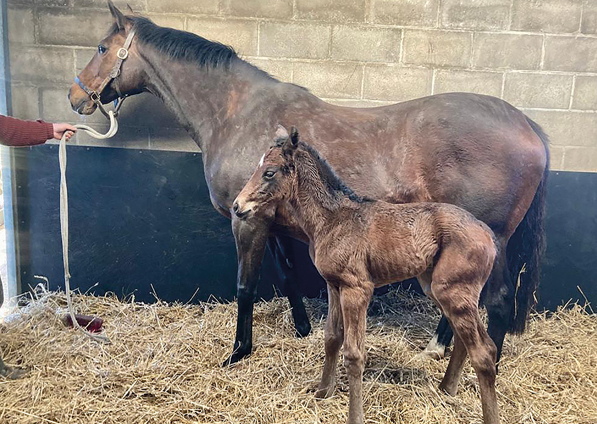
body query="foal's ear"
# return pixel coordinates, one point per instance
(291, 142)
(119, 18)
(294, 136)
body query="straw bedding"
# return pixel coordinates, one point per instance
(163, 366)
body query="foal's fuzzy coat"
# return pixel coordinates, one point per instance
(358, 244)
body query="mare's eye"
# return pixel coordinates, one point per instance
(268, 175)
(101, 49)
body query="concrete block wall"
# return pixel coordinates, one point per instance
(539, 55)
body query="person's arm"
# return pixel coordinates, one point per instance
(16, 132)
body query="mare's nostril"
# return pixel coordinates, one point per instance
(235, 207)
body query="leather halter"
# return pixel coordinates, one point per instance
(95, 95)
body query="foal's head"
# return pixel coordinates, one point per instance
(272, 181)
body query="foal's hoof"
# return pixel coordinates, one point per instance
(450, 389)
(12, 373)
(302, 330)
(324, 393)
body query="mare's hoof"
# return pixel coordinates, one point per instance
(430, 354)
(235, 357)
(434, 350)
(302, 330)
(12, 373)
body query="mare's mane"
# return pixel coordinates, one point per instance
(183, 45)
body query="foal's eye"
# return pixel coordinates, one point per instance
(101, 49)
(268, 175)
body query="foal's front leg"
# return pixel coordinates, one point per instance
(334, 335)
(354, 299)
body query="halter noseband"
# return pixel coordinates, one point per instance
(95, 95)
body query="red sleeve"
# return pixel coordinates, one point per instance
(16, 132)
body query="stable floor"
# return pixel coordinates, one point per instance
(163, 366)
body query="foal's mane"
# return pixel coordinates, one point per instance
(332, 182)
(182, 45)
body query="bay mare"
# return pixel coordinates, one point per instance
(358, 244)
(473, 151)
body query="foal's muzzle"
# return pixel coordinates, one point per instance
(238, 211)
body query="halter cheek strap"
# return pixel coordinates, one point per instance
(95, 95)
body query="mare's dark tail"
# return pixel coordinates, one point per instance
(525, 248)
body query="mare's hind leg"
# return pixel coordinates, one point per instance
(457, 292)
(450, 381)
(283, 253)
(499, 302)
(334, 335)
(436, 348)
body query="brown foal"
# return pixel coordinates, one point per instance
(358, 244)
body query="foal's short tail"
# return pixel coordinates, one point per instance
(525, 248)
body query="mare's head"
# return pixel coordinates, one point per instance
(133, 75)
(272, 181)
(130, 78)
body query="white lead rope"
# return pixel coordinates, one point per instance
(64, 217)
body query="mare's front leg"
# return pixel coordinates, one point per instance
(334, 335)
(11, 373)
(250, 237)
(283, 253)
(354, 299)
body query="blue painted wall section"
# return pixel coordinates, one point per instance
(143, 219)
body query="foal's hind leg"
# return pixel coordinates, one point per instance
(283, 253)
(334, 335)
(354, 298)
(458, 297)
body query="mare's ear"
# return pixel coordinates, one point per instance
(281, 132)
(130, 9)
(279, 142)
(119, 18)
(281, 136)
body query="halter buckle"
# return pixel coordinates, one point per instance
(94, 96)
(122, 53)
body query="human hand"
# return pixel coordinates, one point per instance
(62, 128)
